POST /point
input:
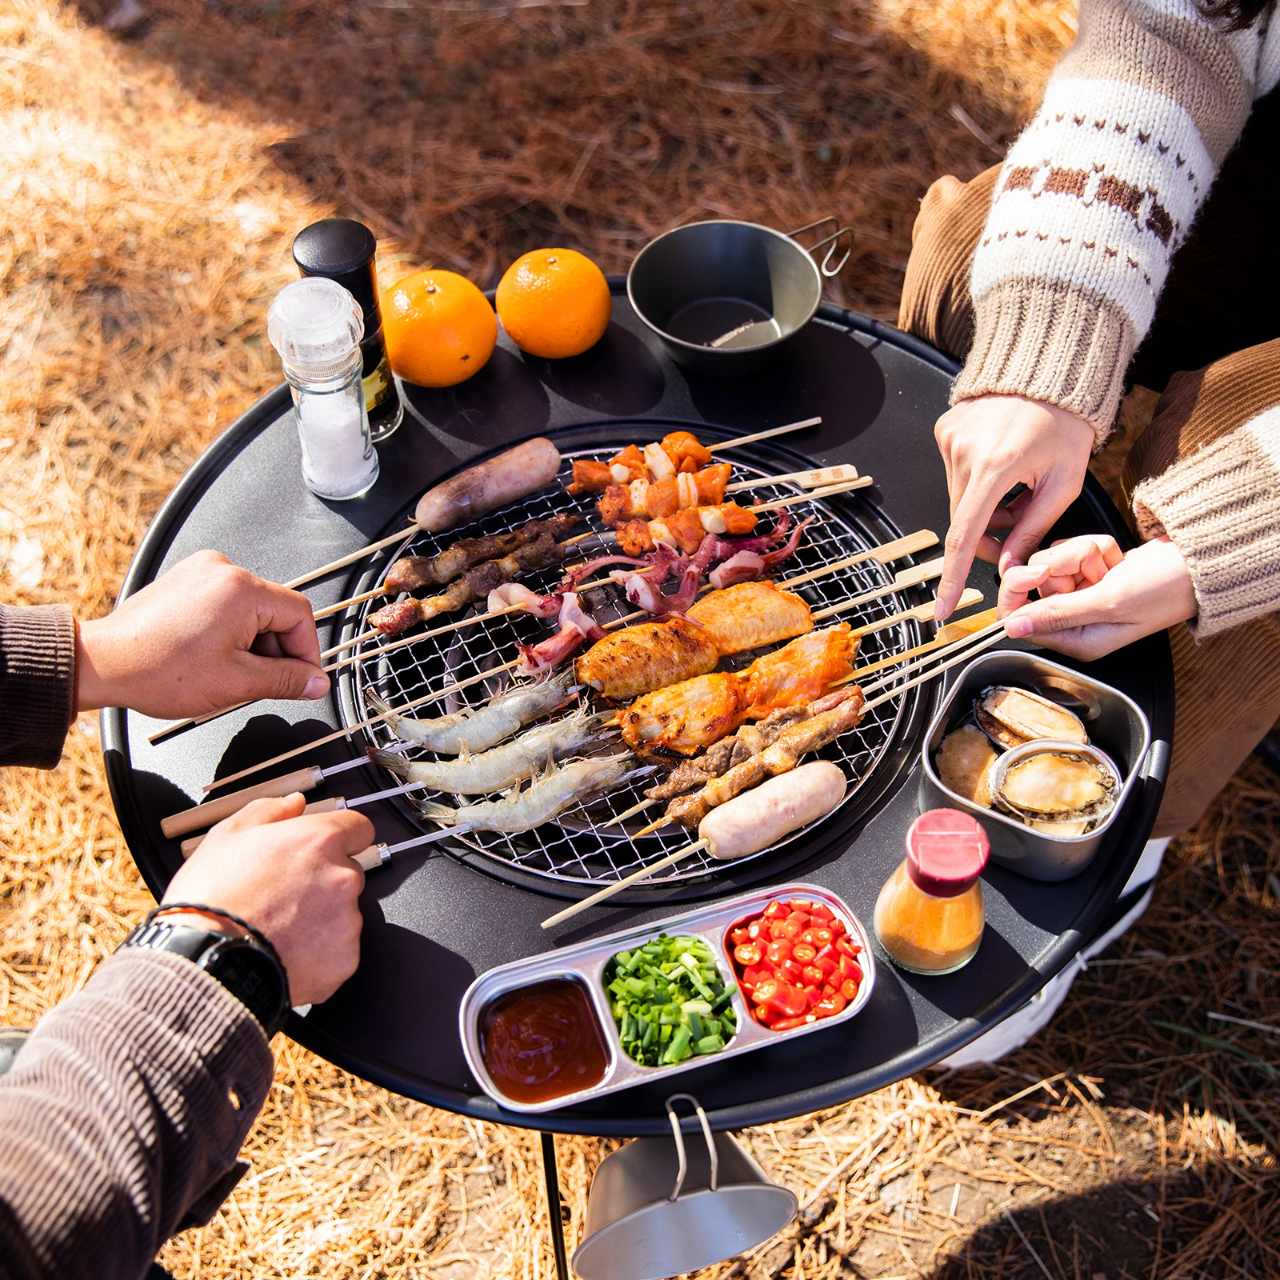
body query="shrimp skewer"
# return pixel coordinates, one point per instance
(503, 766)
(548, 797)
(479, 730)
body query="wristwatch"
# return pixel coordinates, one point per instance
(250, 970)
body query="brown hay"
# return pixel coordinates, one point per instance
(153, 186)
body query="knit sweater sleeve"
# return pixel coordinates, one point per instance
(1097, 194)
(121, 1119)
(1221, 508)
(37, 683)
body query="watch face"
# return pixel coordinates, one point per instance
(251, 975)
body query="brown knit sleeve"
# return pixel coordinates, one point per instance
(37, 683)
(122, 1117)
(1221, 508)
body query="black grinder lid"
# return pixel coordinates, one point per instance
(342, 250)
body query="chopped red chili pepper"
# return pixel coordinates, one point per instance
(747, 953)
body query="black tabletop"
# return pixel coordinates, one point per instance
(432, 923)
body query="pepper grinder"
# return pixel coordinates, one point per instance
(343, 250)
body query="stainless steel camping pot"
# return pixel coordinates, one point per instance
(724, 297)
(656, 1210)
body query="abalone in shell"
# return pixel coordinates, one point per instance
(1011, 716)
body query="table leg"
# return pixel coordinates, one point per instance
(553, 1204)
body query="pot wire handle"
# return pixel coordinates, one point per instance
(833, 240)
(683, 1166)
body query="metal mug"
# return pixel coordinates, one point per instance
(655, 1211)
(724, 297)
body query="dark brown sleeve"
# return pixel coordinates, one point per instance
(121, 1119)
(37, 683)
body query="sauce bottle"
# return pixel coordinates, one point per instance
(929, 916)
(341, 249)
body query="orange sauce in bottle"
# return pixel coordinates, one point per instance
(929, 916)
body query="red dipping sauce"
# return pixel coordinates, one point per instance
(543, 1041)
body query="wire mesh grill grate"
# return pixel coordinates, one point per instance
(576, 848)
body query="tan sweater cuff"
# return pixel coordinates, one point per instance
(1052, 341)
(37, 683)
(1221, 508)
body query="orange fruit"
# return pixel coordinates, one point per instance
(554, 303)
(439, 328)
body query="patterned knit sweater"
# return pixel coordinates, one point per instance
(1092, 201)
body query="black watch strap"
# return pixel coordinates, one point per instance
(249, 970)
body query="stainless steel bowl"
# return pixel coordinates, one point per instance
(701, 284)
(1115, 724)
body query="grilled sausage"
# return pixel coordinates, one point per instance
(757, 818)
(489, 485)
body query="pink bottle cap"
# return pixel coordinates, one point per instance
(946, 852)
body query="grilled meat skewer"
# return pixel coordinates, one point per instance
(412, 573)
(474, 585)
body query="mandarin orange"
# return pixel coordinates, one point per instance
(440, 329)
(554, 303)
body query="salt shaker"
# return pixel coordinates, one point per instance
(929, 915)
(316, 326)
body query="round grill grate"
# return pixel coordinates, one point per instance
(580, 848)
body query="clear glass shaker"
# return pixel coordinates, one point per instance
(929, 916)
(316, 326)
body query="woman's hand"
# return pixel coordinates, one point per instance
(989, 445)
(202, 637)
(1094, 598)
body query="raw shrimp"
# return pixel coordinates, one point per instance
(478, 730)
(512, 762)
(522, 811)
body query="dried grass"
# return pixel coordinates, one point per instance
(151, 188)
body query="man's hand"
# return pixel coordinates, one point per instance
(205, 636)
(1095, 599)
(293, 878)
(989, 445)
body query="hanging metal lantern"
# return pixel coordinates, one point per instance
(655, 1211)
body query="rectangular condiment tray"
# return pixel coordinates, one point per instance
(585, 962)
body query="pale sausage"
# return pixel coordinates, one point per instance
(757, 818)
(489, 485)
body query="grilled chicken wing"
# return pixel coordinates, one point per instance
(750, 615)
(648, 656)
(798, 672)
(684, 717)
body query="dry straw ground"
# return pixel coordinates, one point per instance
(150, 188)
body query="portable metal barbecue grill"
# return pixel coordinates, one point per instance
(575, 850)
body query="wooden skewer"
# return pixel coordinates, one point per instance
(956, 630)
(343, 561)
(617, 887)
(814, 478)
(862, 482)
(765, 435)
(952, 646)
(331, 609)
(991, 639)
